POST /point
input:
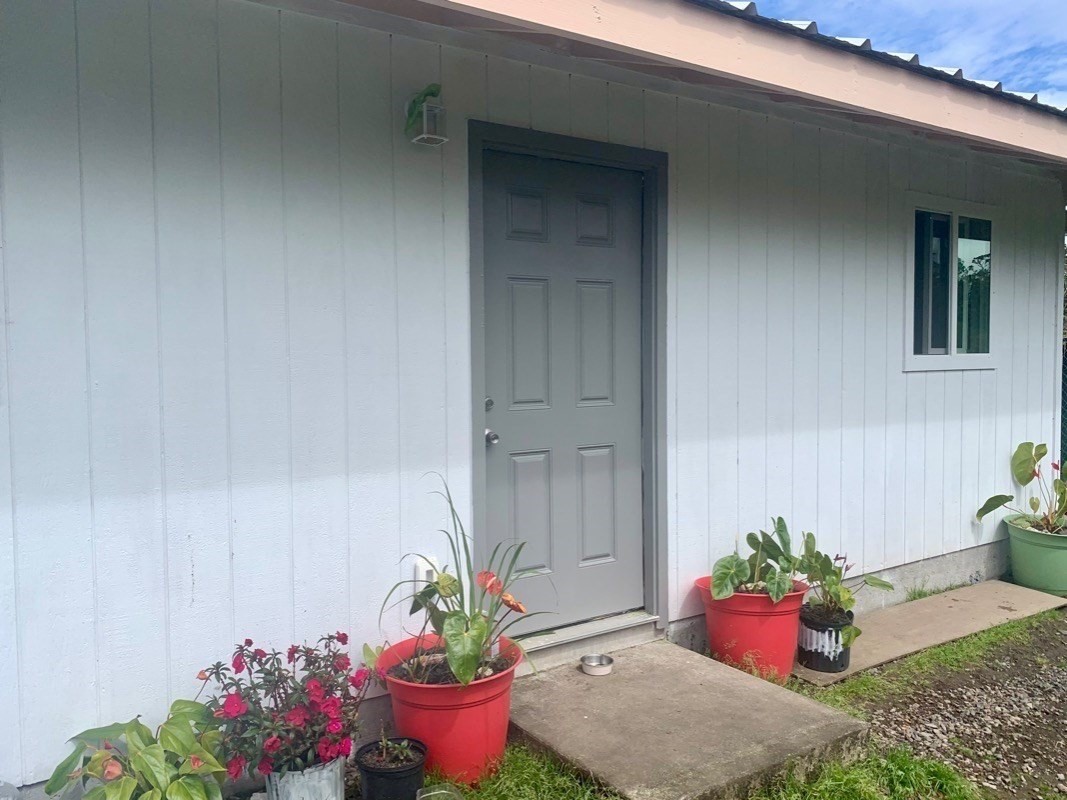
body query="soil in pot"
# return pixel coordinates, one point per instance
(432, 668)
(819, 645)
(393, 773)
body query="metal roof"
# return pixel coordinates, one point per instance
(809, 29)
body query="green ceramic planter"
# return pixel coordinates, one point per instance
(1038, 559)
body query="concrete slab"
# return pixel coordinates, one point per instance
(671, 724)
(898, 631)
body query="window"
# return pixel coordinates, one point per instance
(950, 286)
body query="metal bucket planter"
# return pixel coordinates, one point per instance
(320, 782)
(1038, 559)
(820, 647)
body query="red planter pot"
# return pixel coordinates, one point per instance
(465, 728)
(750, 631)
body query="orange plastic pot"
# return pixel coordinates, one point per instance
(465, 728)
(752, 632)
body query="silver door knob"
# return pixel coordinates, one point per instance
(491, 437)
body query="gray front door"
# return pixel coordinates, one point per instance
(562, 245)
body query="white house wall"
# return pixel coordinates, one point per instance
(237, 337)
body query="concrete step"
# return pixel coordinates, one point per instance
(900, 630)
(670, 724)
(567, 645)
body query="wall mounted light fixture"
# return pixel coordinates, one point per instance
(426, 117)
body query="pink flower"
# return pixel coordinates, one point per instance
(342, 638)
(265, 766)
(327, 750)
(233, 706)
(291, 655)
(331, 707)
(334, 726)
(238, 663)
(248, 642)
(359, 678)
(342, 663)
(345, 747)
(297, 716)
(490, 582)
(235, 766)
(315, 690)
(260, 653)
(272, 745)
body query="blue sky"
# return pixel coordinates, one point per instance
(1022, 43)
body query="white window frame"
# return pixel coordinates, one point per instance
(954, 209)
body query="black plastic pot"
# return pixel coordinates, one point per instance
(391, 783)
(819, 646)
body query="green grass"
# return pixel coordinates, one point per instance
(525, 775)
(853, 695)
(895, 775)
(919, 592)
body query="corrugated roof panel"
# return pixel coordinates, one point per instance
(862, 46)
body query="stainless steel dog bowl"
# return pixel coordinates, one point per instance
(597, 664)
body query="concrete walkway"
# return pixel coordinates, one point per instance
(670, 724)
(900, 630)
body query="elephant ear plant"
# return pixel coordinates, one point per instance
(128, 761)
(769, 569)
(1048, 508)
(467, 610)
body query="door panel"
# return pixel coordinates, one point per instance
(562, 245)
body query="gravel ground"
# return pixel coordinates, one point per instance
(1002, 724)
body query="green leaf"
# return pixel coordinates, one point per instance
(993, 503)
(1040, 451)
(728, 573)
(781, 530)
(197, 712)
(1023, 463)
(213, 790)
(753, 540)
(370, 656)
(186, 788)
(96, 793)
(97, 736)
(877, 583)
(464, 643)
(209, 740)
(849, 634)
(1035, 504)
(61, 777)
(151, 763)
(422, 598)
(138, 736)
(779, 584)
(151, 794)
(121, 789)
(771, 549)
(176, 736)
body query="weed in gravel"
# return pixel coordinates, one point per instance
(920, 591)
(894, 775)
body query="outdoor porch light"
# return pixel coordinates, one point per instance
(426, 117)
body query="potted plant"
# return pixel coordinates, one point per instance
(391, 769)
(450, 684)
(289, 717)
(1038, 537)
(752, 605)
(826, 619)
(128, 761)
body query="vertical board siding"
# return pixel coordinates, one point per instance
(239, 339)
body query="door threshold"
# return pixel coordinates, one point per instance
(618, 631)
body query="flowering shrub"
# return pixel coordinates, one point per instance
(468, 611)
(286, 711)
(127, 761)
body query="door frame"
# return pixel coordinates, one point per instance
(487, 136)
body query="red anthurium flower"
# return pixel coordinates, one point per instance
(265, 766)
(342, 637)
(1056, 465)
(272, 745)
(235, 766)
(195, 761)
(298, 716)
(359, 677)
(202, 675)
(512, 603)
(238, 663)
(233, 706)
(490, 582)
